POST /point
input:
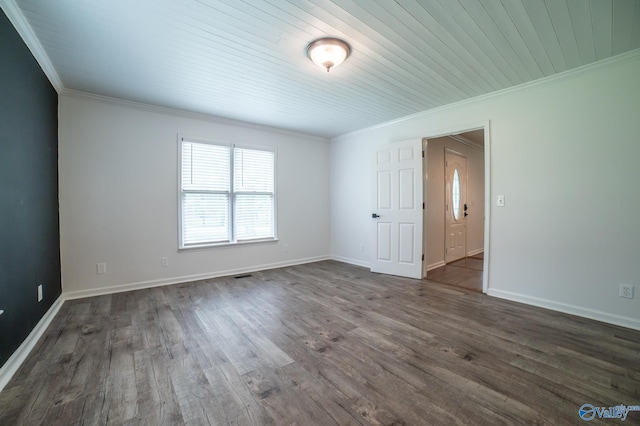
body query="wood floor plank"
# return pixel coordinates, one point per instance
(234, 345)
(264, 348)
(325, 343)
(465, 273)
(253, 410)
(324, 396)
(156, 397)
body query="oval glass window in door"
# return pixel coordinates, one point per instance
(455, 194)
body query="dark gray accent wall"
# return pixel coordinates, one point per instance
(29, 226)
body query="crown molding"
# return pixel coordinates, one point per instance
(186, 114)
(466, 142)
(631, 55)
(23, 28)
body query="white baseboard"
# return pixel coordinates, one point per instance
(100, 291)
(474, 252)
(20, 355)
(351, 261)
(436, 265)
(593, 314)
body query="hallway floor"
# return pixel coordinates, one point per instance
(465, 273)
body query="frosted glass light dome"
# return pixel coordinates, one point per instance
(328, 52)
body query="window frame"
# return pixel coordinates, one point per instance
(232, 241)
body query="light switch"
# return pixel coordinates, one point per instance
(500, 201)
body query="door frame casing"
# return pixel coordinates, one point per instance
(486, 126)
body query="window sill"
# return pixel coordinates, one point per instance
(227, 244)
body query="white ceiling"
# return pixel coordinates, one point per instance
(245, 60)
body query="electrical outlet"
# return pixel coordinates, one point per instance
(285, 248)
(40, 293)
(626, 291)
(361, 246)
(164, 262)
(500, 201)
(101, 268)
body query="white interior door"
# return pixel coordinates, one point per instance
(397, 209)
(455, 166)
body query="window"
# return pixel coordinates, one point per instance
(455, 194)
(227, 194)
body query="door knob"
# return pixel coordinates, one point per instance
(375, 216)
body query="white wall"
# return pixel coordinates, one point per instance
(118, 197)
(565, 154)
(435, 198)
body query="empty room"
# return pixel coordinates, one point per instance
(337, 212)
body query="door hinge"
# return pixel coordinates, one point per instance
(423, 257)
(422, 154)
(422, 206)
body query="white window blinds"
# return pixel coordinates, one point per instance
(253, 193)
(227, 194)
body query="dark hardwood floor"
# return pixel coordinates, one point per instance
(465, 273)
(320, 344)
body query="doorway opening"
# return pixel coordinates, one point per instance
(456, 194)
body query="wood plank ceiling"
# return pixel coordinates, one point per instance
(245, 60)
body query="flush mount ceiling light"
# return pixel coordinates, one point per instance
(328, 52)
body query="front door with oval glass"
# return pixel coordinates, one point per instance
(455, 166)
